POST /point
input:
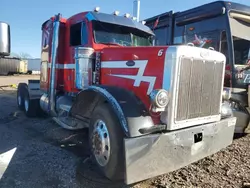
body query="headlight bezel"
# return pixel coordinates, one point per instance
(155, 98)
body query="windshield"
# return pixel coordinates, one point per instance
(241, 50)
(240, 29)
(105, 33)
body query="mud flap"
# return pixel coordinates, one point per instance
(34, 89)
(157, 154)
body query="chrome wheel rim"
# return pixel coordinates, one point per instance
(101, 143)
(26, 105)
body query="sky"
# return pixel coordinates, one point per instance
(26, 16)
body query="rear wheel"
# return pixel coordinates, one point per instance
(106, 142)
(20, 95)
(31, 106)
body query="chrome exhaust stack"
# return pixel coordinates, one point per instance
(4, 39)
(54, 51)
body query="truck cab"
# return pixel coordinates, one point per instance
(222, 25)
(91, 29)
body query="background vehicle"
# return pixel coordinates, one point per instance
(12, 65)
(223, 26)
(34, 65)
(100, 71)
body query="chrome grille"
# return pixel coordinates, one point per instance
(199, 88)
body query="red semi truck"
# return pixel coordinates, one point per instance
(146, 113)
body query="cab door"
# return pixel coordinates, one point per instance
(47, 32)
(78, 36)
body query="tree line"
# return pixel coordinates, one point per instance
(21, 55)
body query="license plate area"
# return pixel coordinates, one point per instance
(198, 137)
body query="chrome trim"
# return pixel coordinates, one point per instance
(54, 49)
(170, 83)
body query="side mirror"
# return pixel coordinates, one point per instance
(4, 39)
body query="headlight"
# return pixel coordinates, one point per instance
(226, 94)
(159, 98)
(162, 98)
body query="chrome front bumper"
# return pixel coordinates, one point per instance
(156, 154)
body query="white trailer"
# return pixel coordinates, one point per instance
(34, 65)
(12, 65)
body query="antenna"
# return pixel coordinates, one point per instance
(136, 9)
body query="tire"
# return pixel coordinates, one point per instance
(20, 95)
(31, 106)
(113, 165)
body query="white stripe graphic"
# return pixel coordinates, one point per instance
(140, 64)
(63, 66)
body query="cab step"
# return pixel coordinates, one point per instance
(66, 121)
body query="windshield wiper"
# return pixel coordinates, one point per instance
(110, 43)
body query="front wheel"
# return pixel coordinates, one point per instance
(106, 142)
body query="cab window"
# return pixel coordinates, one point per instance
(204, 39)
(78, 34)
(161, 36)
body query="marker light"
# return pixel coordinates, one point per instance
(134, 18)
(191, 28)
(127, 15)
(226, 94)
(97, 9)
(116, 13)
(143, 22)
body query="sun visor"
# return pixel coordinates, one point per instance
(118, 20)
(239, 27)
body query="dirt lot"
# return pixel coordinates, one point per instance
(48, 156)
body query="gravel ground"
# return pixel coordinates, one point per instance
(48, 156)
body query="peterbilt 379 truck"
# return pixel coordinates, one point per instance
(149, 110)
(223, 26)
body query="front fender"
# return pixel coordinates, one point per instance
(129, 109)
